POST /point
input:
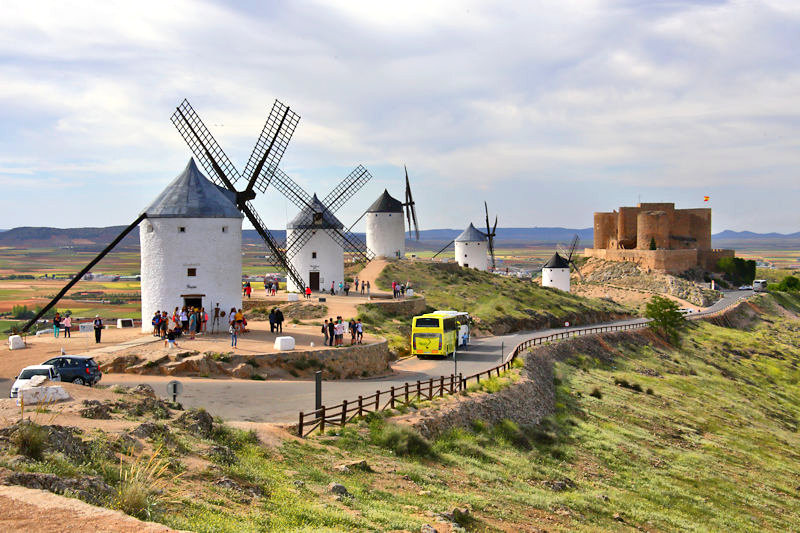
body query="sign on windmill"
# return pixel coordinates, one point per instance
(315, 239)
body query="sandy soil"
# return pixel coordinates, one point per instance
(622, 296)
(39, 511)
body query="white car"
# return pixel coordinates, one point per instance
(29, 372)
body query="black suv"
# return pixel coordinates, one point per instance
(78, 369)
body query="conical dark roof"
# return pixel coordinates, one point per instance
(386, 204)
(305, 218)
(192, 195)
(556, 262)
(471, 235)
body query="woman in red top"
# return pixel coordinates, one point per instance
(308, 293)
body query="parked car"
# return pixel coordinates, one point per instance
(685, 311)
(29, 372)
(78, 369)
(746, 288)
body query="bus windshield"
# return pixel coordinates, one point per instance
(426, 322)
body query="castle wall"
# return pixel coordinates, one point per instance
(627, 226)
(700, 226)
(708, 259)
(652, 225)
(674, 261)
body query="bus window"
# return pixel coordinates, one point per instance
(426, 322)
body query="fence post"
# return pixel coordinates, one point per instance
(461, 385)
(391, 398)
(300, 426)
(452, 383)
(405, 386)
(322, 420)
(360, 405)
(441, 386)
(344, 412)
(430, 389)
(419, 391)
(377, 401)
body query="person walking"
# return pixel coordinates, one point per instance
(368, 287)
(331, 332)
(199, 321)
(308, 293)
(234, 335)
(339, 331)
(356, 283)
(184, 319)
(155, 321)
(164, 325)
(279, 320)
(341, 286)
(272, 321)
(347, 289)
(192, 324)
(402, 290)
(239, 320)
(204, 318)
(363, 287)
(56, 325)
(67, 325)
(394, 289)
(352, 327)
(332, 288)
(274, 288)
(98, 328)
(325, 332)
(359, 332)
(248, 289)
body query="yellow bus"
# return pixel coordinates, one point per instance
(438, 333)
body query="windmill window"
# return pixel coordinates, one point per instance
(182, 229)
(149, 228)
(313, 255)
(224, 229)
(191, 272)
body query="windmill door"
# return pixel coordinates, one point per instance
(313, 280)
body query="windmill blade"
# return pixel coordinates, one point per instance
(411, 209)
(352, 243)
(270, 146)
(290, 189)
(575, 241)
(83, 272)
(443, 249)
(488, 229)
(262, 230)
(491, 251)
(578, 270)
(346, 188)
(204, 147)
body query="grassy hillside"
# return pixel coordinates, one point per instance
(646, 436)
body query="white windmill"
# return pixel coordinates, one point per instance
(556, 271)
(385, 225)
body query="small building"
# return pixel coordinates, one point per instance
(320, 259)
(472, 248)
(191, 247)
(555, 273)
(386, 229)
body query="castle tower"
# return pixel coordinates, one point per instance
(555, 273)
(386, 230)
(320, 260)
(191, 248)
(472, 249)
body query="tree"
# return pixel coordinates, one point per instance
(666, 318)
(653, 243)
(789, 283)
(737, 270)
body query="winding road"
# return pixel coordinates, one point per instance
(280, 400)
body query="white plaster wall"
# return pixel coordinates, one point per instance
(556, 277)
(329, 261)
(167, 254)
(386, 234)
(474, 254)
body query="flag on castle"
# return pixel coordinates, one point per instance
(706, 198)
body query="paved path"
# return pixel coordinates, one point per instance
(280, 401)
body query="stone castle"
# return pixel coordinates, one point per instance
(682, 237)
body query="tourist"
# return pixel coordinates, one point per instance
(199, 321)
(56, 325)
(204, 318)
(192, 323)
(176, 315)
(356, 283)
(363, 287)
(98, 328)
(339, 331)
(352, 327)
(274, 288)
(272, 321)
(359, 332)
(184, 319)
(341, 287)
(169, 341)
(248, 289)
(234, 335)
(402, 290)
(239, 320)
(164, 324)
(279, 320)
(394, 289)
(67, 324)
(347, 289)
(155, 321)
(331, 332)
(308, 293)
(325, 332)
(332, 288)
(368, 287)
(232, 317)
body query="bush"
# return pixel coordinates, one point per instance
(789, 284)
(141, 483)
(665, 317)
(403, 441)
(596, 393)
(30, 439)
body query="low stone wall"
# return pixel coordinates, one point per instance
(408, 307)
(349, 362)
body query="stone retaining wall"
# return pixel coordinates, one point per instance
(408, 307)
(348, 362)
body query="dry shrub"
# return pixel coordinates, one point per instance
(141, 483)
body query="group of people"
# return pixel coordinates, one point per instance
(270, 287)
(60, 322)
(344, 287)
(184, 320)
(276, 320)
(237, 324)
(333, 331)
(247, 290)
(399, 289)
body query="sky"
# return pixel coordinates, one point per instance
(548, 111)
